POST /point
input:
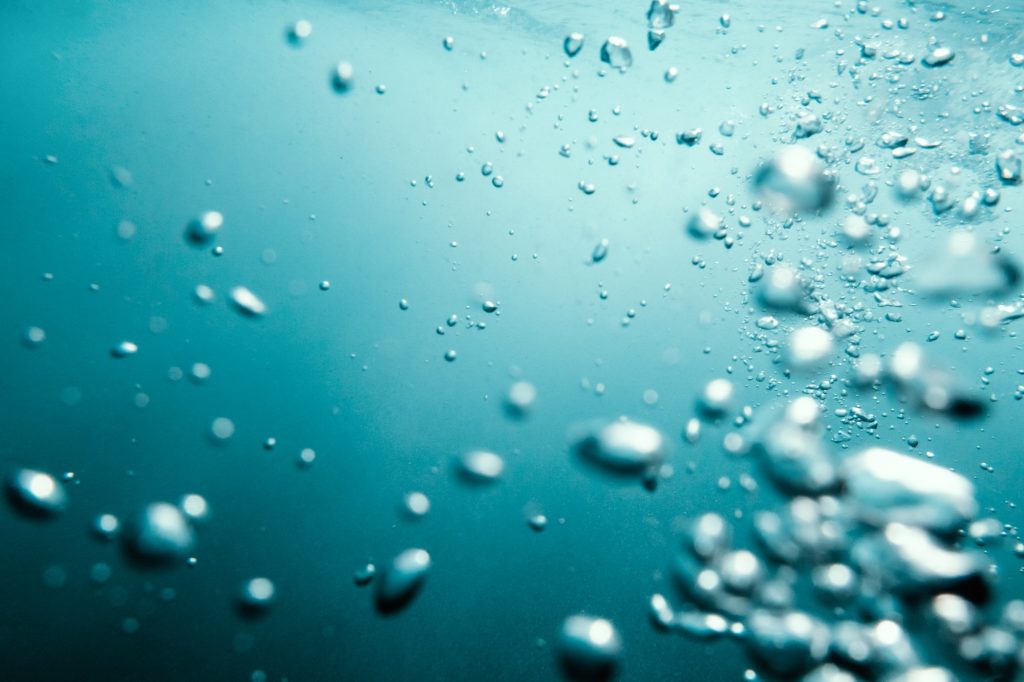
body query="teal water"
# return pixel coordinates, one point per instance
(209, 107)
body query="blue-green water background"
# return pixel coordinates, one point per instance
(209, 108)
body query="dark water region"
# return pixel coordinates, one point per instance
(539, 341)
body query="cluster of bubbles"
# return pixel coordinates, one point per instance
(872, 568)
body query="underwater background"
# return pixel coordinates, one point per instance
(364, 213)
